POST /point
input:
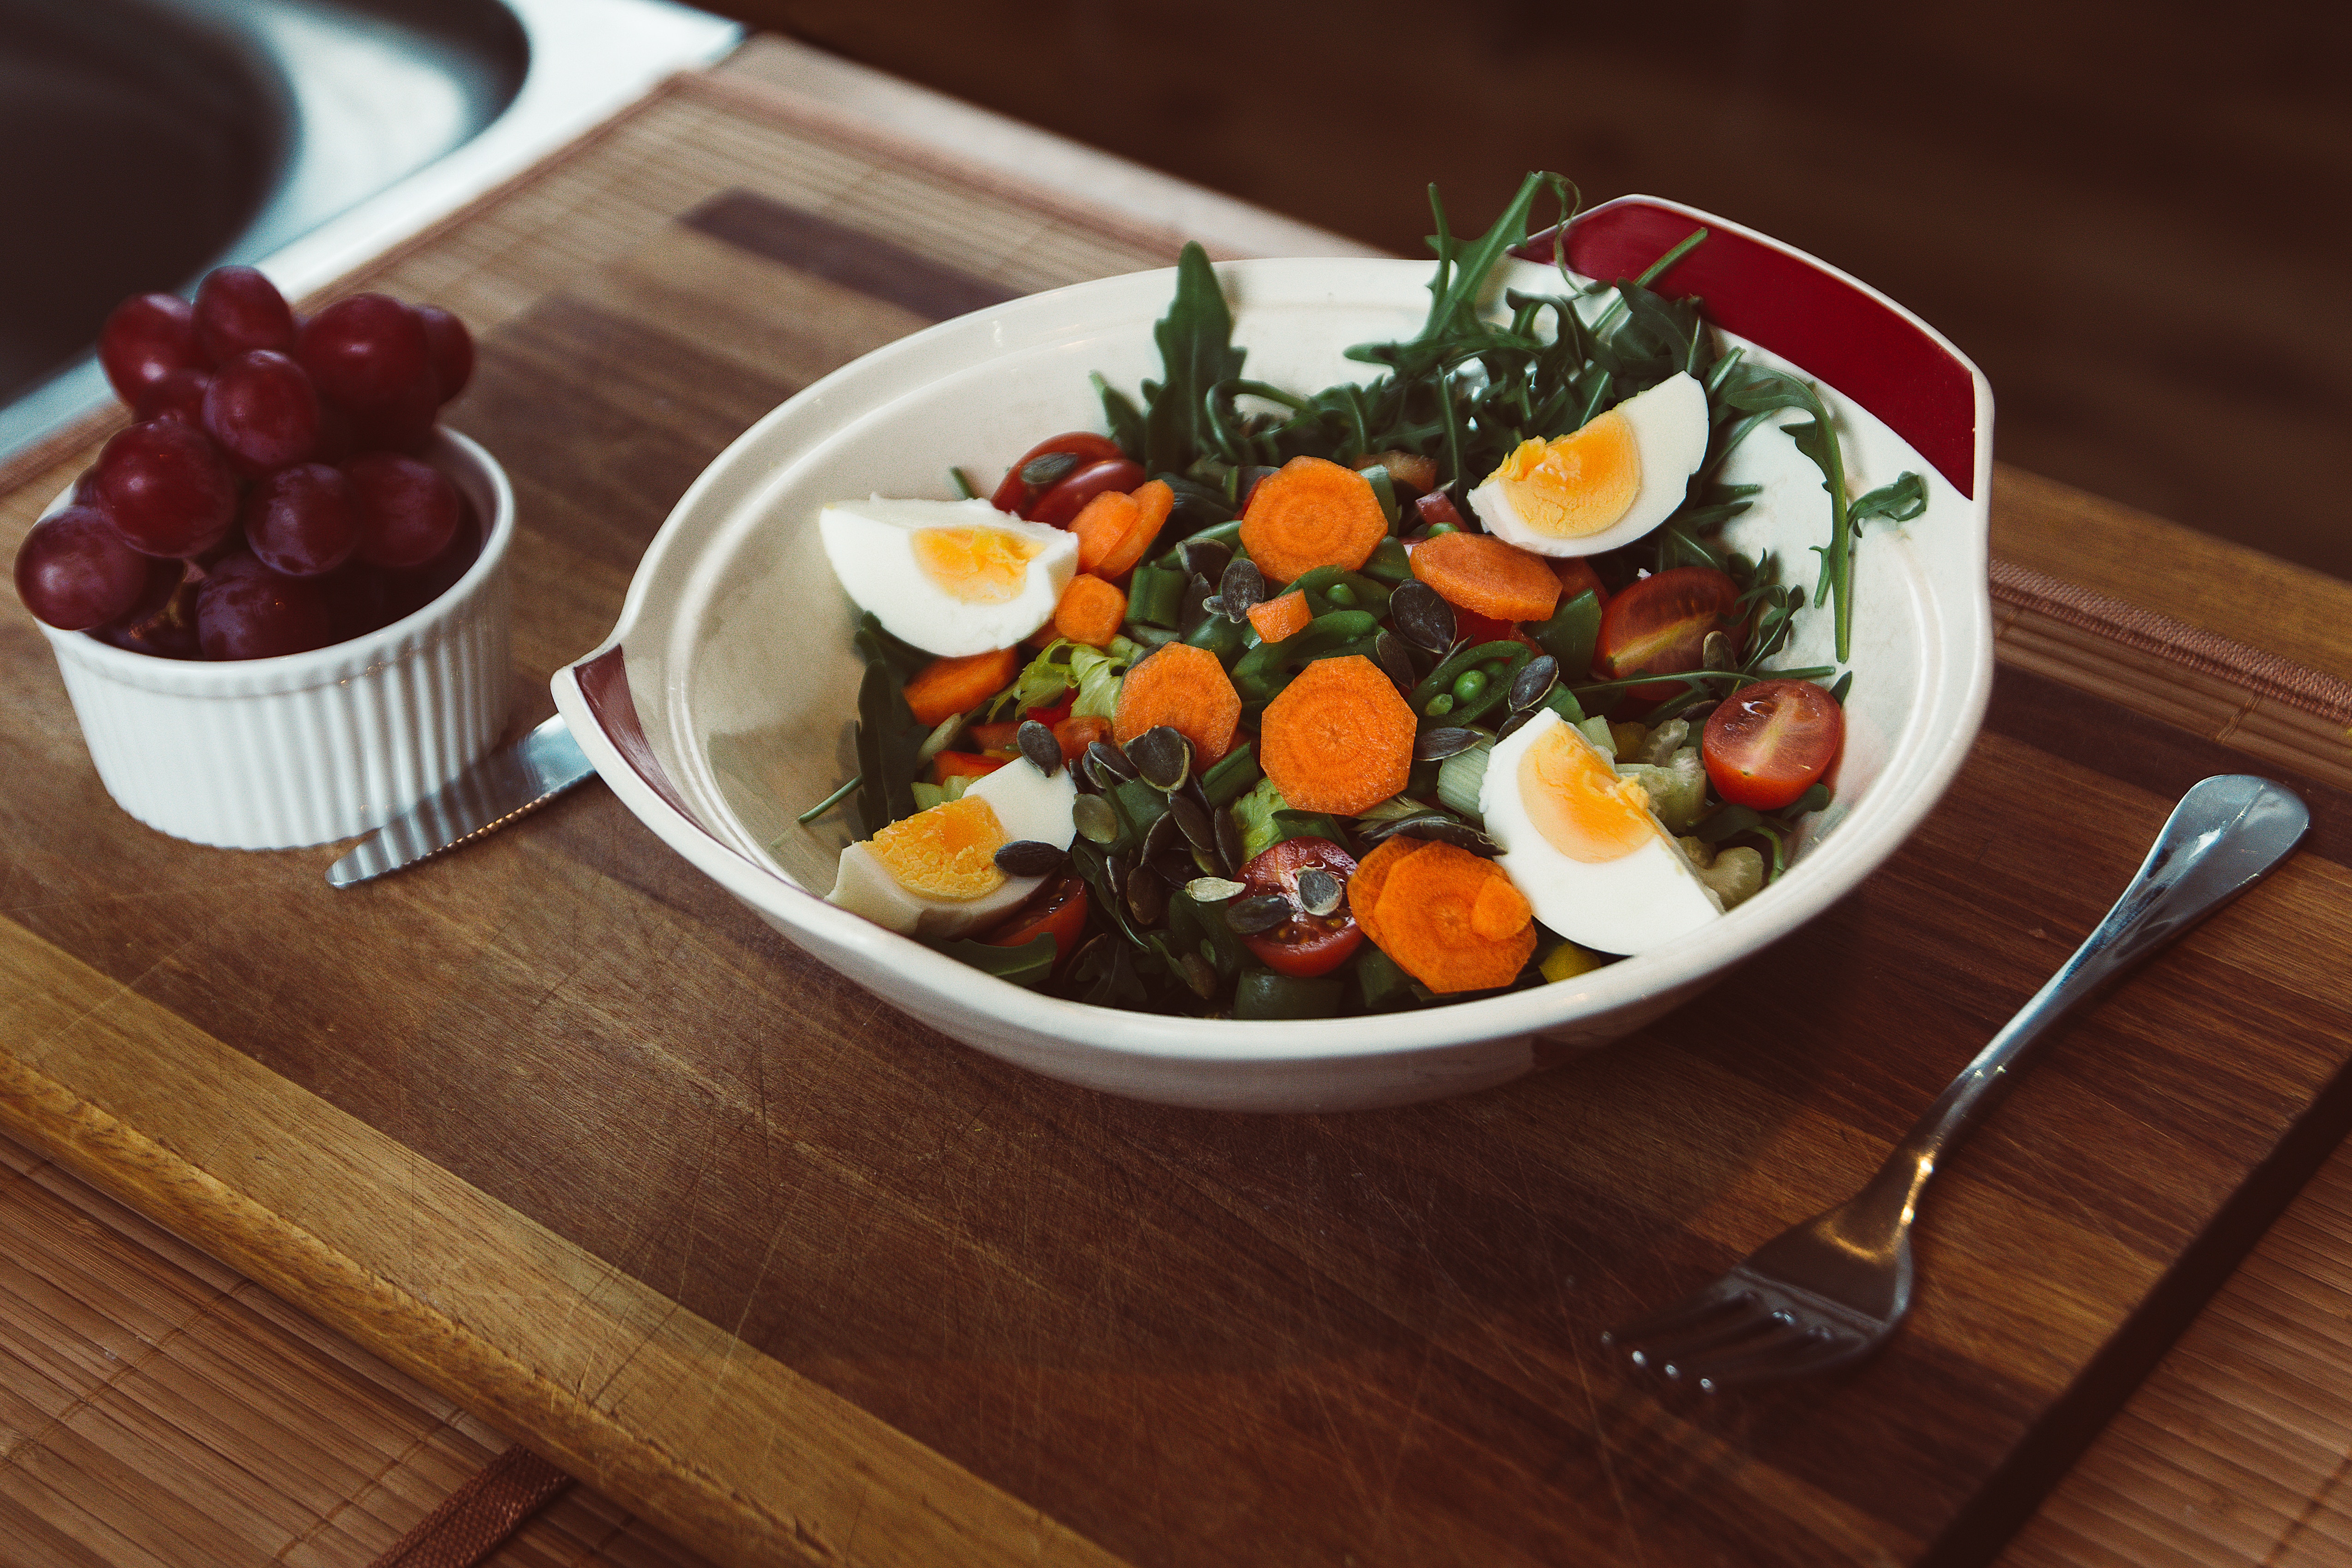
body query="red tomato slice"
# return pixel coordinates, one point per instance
(1068, 497)
(1015, 493)
(1306, 945)
(1658, 625)
(1767, 743)
(1577, 576)
(1057, 909)
(969, 765)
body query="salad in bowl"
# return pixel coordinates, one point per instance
(1343, 684)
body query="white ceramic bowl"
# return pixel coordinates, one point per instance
(276, 754)
(722, 703)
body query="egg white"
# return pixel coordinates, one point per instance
(1670, 429)
(1641, 901)
(870, 544)
(1028, 806)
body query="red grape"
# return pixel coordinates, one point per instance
(451, 347)
(336, 443)
(167, 488)
(403, 425)
(405, 593)
(146, 337)
(263, 411)
(365, 352)
(176, 395)
(240, 310)
(164, 621)
(302, 521)
(246, 611)
(73, 572)
(408, 509)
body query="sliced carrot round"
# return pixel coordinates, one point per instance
(957, 685)
(1479, 571)
(1186, 688)
(1278, 618)
(1443, 918)
(1338, 738)
(1311, 512)
(1091, 611)
(1371, 876)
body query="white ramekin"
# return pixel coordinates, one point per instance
(277, 753)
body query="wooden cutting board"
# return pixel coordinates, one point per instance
(850, 1282)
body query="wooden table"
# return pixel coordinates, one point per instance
(805, 1282)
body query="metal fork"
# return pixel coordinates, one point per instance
(1829, 1291)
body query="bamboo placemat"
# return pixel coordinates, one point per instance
(2270, 1498)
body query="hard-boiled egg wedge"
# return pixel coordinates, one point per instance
(935, 874)
(951, 577)
(1583, 846)
(1604, 485)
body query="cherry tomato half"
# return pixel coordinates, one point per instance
(1057, 909)
(1767, 743)
(1014, 493)
(1068, 497)
(1305, 945)
(1659, 624)
(1577, 576)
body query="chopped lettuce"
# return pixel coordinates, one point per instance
(1064, 664)
(1254, 814)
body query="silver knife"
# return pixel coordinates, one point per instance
(519, 777)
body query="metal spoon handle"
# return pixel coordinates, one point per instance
(2226, 835)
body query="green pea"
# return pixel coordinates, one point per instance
(1469, 686)
(1341, 596)
(1440, 705)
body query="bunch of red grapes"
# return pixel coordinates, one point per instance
(270, 499)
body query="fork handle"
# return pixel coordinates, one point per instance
(2226, 835)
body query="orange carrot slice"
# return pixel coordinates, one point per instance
(1091, 611)
(1077, 733)
(967, 764)
(1311, 512)
(1183, 687)
(1450, 920)
(1481, 573)
(1278, 618)
(1114, 531)
(948, 685)
(1338, 738)
(1372, 877)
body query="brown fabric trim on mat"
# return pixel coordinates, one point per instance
(477, 1519)
(2086, 609)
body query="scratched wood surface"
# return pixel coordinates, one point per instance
(847, 1280)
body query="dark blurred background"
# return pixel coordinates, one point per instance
(2133, 217)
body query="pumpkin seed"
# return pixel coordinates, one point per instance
(1535, 682)
(1037, 744)
(1161, 757)
(1213, 890)
(1197, 974)
(1389, 653)
(1716, 652)
(1421, 617)
(1029, 858)
(1447, 741)
(1158, 837)
(1443, 828)
(1320, 891)
(1241, 586)
(1094, 818)
(1115, 870)
(1194, 824)
(1229, 839)
(1512, 725)
(1205, 558)
(1038, 472)
(1147, 896)
(1180, 866)
(1248, 917)
(1108, 765)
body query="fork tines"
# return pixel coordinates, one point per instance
(1744, 1328)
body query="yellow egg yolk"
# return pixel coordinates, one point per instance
(946, 852)
(977, 565)
(1578, 803)
(1576, 484)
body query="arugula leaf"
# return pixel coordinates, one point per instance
(1769, 391)
(888, 736)
(1195, 338)
(1899, 501)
